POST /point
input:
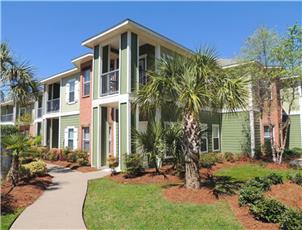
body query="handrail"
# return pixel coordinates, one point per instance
(109, 82)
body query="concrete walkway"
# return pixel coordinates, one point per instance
(60, 206)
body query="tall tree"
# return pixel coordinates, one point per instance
(17, 79)
(192, 83)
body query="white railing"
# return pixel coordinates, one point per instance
(7, 117)
(110, 82)
(53, 105)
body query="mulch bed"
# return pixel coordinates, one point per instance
(148, 177)
(247, 219)
(24, 194)
(73, 166)
(288, 193)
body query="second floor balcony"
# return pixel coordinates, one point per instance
(7, 117)
(110, 83)
(53, 105)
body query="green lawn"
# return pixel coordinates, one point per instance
(248, 171)
(8, 219)
(110, 205)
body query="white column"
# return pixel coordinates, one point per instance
(300, 109)
(128, 62)
(252, 119)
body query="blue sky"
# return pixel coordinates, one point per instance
(49, 34)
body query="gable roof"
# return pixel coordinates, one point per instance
(129, 24)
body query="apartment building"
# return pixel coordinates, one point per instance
(90, 106)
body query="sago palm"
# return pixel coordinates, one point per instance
(192, 83)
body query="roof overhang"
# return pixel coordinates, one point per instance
(129, 25)
(58, 76)
(82, 59)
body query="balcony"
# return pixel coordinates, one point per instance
(53, 105)
(7, 117)
(39, 112)
(110, 83)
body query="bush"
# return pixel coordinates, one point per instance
(250, 195)
(291, 220)
(266, 148)
(72, 157)
(292, 153)
(275, 178)
(82, 158)
(112, 161)
(82, 161)
(263, 183)
(228, 156)
(296, 178)
(53, 154)
(268, 210)
(134, 166)
(207, 160)
(35, 168)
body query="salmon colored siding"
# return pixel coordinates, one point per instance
(85, 105)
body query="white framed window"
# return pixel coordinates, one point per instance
(266, 132)
(142, 69)
(215, 137)
(71, 91)
(86, 82)
(85, 139)
(204, 140)
(70, 137)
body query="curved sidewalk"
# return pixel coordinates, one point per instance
(60, 206)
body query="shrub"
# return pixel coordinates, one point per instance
(291, 220)
(53, 154)
(134, 166)
(82, 158)
(250, 195)
(65, 152)
(268, 210)
(266, 148)
(82, 161)
(228, 156)
(72, 157)
(35, 168)
(275, 178)
(225, 185)
(292, 153)
(207, 160)
(296, 178)
(262, 183)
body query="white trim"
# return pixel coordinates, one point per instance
(100, 65)
(119, 137)
(59, 135)
(98, 138)
(300, 107)
(58, 114)
(217, 126)
(51, 79)
(111, 99)
(119, 64)
(114, 132)
(252, 119)
(128, 127)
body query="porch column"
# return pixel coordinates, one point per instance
(104, 134)
(124, 132)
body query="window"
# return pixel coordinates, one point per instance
(215, 138)
(204, 139)
(86, 82)
(142, 70)
(71, 91)
(85, 139)
(267, 133)
(70, 138)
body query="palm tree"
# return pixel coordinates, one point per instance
(192, 83)
(17, 80)
(16, 145)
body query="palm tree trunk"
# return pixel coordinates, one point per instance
(191, 145)
(14, 171)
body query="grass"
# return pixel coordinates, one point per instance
(111, 205)
(249, 171)
(8, 219)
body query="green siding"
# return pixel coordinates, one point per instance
(73, 120)
(210, 118)
(134, 67)
(235, 132)
(105, 59)
(95, 136)
(96, 71)
(104, 136)
(65, 107)
(123, 132)
(295, 132)
(133, 127)
(123, 67)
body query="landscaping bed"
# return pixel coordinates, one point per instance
(73, 166)
(15, 199)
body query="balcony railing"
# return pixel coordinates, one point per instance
(53, 105)
(110, 83)
(7, 117)
(39, 112)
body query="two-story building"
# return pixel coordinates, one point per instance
(90, 106)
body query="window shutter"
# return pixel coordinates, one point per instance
(75, 138)
(76, 91)
(66, 137)
(67, 93)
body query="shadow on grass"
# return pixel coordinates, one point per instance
(222, 185)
